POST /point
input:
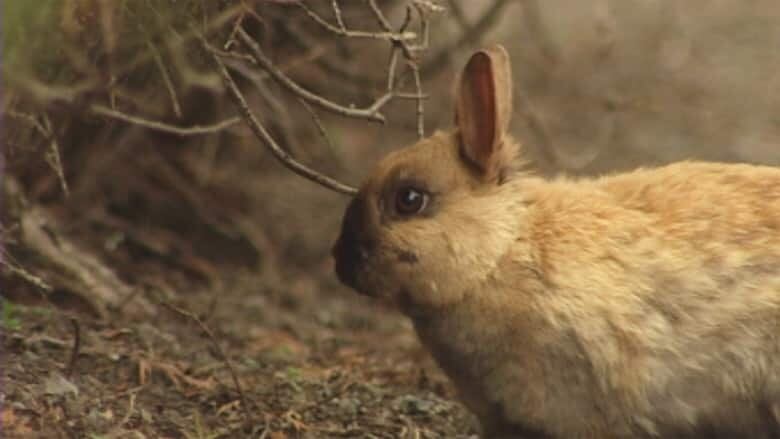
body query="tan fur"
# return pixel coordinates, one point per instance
(644, 304)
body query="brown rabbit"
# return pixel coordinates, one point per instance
(644, 304)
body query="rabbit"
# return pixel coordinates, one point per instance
(644, 304)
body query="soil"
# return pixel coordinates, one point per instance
(312, 361)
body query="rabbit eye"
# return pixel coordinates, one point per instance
(409, 201)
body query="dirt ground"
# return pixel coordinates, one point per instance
(311, 360)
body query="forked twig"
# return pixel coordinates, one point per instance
(262, 134)
(337, 13)
(370, 113)
(342, 30)
(409, 53)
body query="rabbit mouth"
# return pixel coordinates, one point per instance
(350, 260)
(347, 273)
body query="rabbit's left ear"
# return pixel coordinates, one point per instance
(483, 108)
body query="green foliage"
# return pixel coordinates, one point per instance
(10, 321)
(30, 33)
(61, 41)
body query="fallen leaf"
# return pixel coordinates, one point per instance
(13, 425)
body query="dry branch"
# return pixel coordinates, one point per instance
(84, 274)
(370, 113)
(167, 128)
(343, 31)
(410, 55)
(435, 63)
(166, 77)
(262, 134)
(24, 274)
(53, 156)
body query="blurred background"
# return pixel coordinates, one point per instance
(139, 209)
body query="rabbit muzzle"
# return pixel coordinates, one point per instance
(352, 248)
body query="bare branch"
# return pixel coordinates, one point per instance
(303, 39)
(337, 13)
(24, 274)
(262, 134)
(435, 63)
(343, 31)
(391, 69)
(166, 79)
(53, 157)
(409, 54)
(159, 126)
(420, 106)
(385, 24)
(369, 113)
(320, 127)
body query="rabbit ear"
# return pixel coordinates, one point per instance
(483, 108)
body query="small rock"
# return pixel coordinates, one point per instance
(56, 384)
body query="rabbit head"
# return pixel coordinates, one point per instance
(427, 224)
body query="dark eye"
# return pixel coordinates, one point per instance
(409, 201)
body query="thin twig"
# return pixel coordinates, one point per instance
(262, 134)
(74, 352)
(369, 113)
(380, 16)
(282, 121)
(217, 23)
(130, 410)
(203, 327)
(303, 39)
(424, 8)
(166, 77)
(391, 69)
(385, 24)
(318, 123)
(53, 157)
(420, 106)
(440, 60)
(407, 19)
(164, 127)
(24, 274)
(343, 31)
(409, 54)
(337, 13)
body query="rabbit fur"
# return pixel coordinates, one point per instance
(642, 304)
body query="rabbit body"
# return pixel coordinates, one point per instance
(644, 304)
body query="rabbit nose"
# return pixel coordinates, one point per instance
(352, 249)
(349, 260)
